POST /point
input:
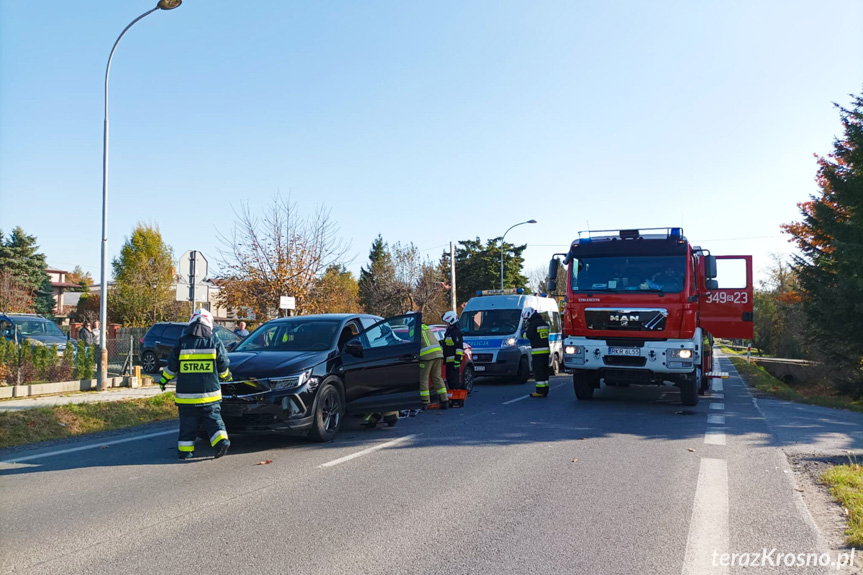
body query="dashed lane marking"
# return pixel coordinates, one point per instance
(366, 451)
(717, 406)
(708, 527)
(717, 385)
(528, 395)
(714, 437)
(716, 419)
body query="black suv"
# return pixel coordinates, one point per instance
(302, 374)
(39, 330)
(161, 338)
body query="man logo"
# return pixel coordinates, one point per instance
(623, 319)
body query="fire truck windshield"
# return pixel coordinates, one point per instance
(638, 273)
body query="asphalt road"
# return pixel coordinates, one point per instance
(629, 483)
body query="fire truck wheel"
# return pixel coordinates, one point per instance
(689, 389)
(703, 384)
(583, 386)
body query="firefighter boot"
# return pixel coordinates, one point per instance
(185, 454)
(371, 420)
(222, 448)
(391, 420)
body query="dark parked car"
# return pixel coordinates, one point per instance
(303, 374)
(160, 340)
(39, 330)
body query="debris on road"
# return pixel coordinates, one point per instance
(690, 449)
(267, 462)
(574, 459)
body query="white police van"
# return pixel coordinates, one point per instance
(492, 324)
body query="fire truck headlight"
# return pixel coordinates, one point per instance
(680, 353)
(573, 350)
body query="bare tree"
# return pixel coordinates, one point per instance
(280, 253)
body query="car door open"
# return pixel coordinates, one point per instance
(381, 365)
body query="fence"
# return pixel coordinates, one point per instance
(124, 350)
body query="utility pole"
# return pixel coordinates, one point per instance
(192, 279)
(452, 275)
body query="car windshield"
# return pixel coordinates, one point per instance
(298, 334)
(490, 321)
(37, 327)
(642, 273)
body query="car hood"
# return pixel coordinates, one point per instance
(263, 364)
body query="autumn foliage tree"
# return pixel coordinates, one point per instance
(144, 277)
(337, 291)
(279, 253)
(830, 239)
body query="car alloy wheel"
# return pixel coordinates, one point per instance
(149, 362)
(329, 410)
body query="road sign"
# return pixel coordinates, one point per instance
(184, 292)
(287, 302)
(192, 267)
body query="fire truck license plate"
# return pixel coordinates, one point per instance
(624, 351)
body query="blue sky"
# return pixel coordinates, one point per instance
(422, 121)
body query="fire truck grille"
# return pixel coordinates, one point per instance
(624, 360)
(626, 319)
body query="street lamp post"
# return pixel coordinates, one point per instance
(103, 294)
(501, 247)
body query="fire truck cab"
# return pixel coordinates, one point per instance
(643, 306)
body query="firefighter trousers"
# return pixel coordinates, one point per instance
(208, 416)
(540, 372)
(430, 369)
(453, 377)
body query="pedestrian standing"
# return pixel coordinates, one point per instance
(453, 352)
(536, 330)
(198, 361)
(97, 333)
(85, 334)
(241, 331)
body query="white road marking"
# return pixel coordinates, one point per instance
(717, 385)
(708, 527)
(717, 396)
(528, 395)
(366, 451)
(714, 437)
(717, 405)
(716, 419)
(85, 447)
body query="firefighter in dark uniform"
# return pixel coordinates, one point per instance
(536, 330)
(453, 353)
(198, 361)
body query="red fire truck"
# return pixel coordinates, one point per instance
(643, 306)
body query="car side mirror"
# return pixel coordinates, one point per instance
(354, 348)
(711, 285)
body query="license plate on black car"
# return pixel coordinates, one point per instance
(624, 351)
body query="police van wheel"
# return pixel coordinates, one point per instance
(469, 376)
(523, 373)
(583, 386)
(689, 389)
(329, 412)
(555, 365)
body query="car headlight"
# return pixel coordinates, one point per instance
(509, 342)
(291, 380)
(680, 353)
(573, 350)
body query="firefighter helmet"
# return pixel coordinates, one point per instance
(450, 317)
(203, 316)
(528, 312)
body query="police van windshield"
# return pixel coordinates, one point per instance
(490, 321)
(642, 273)
(293, 335)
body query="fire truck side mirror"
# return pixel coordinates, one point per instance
(711, 285)
(710, 267)
(553, 266)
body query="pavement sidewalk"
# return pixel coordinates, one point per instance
(82, 397)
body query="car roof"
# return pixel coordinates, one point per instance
(24, 315)
(330, 316)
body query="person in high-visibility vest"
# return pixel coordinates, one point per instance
(431, 365)
(453, 352)
(536, 330)
(198, 361)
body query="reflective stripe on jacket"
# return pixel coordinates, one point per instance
(537, 332)
(430, 347)
(196, 364)
(453, 344)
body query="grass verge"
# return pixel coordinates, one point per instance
(846, 485)
(813, 394)
(45, 423)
